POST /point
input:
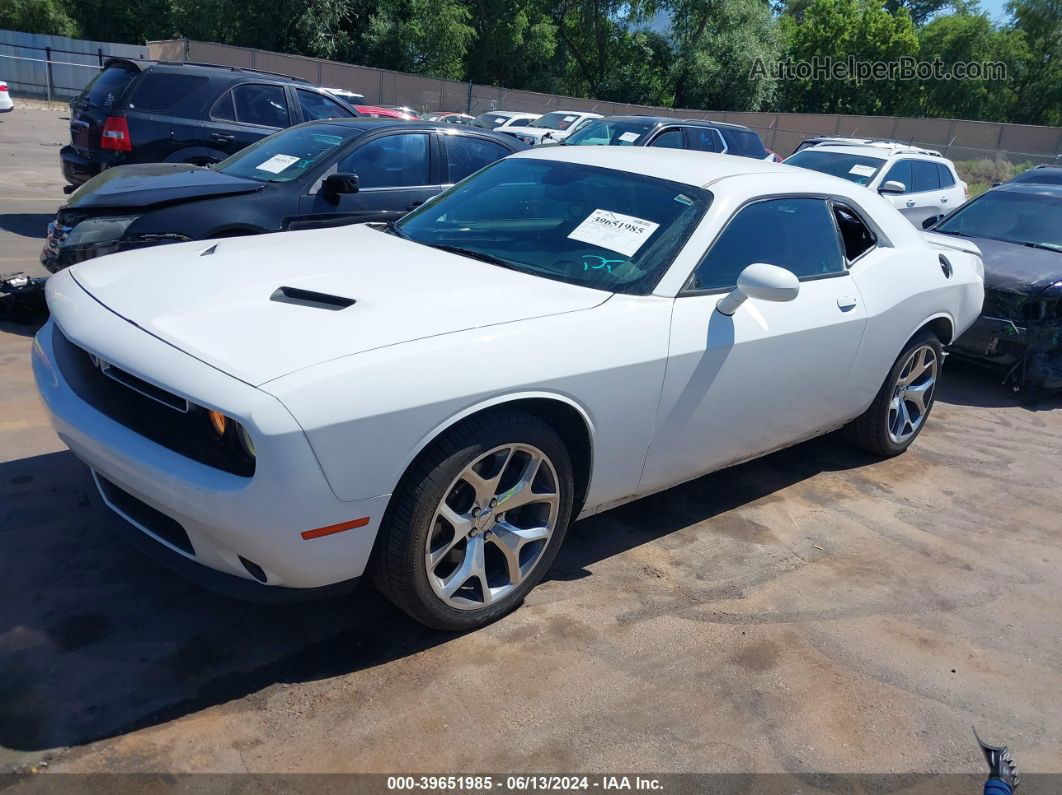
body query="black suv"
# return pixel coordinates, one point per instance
(158, 112)
(704, 136)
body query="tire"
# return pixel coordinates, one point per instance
(437, 532)
(875, 429)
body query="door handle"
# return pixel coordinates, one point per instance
(910, 203)
(222, 137)
(414, 206)
(846, 303)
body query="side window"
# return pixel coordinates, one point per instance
(261, 104)
(855, 235)
(704, 139)
(161, 91)
(797, 234)
(466, 154)
(520, 122)
(396, 161)
(315, 106)
(901, 172)
(946, 179)
(223, 109)
(925, 176)
(672, 139)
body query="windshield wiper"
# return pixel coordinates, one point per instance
(392, 227)
(473, 254)
(1044, 246)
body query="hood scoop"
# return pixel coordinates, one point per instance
(294, 295)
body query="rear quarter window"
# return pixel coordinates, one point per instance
(745, 143)
(160, 91)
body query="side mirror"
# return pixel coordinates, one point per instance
(763, 281)
(893, 186)
(930, 222)
(337, 184)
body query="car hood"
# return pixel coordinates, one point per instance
(220, 301)
(1017, 268)
(152, 184)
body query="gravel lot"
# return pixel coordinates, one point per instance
(817, 610)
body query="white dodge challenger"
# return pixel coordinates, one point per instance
(435, 401)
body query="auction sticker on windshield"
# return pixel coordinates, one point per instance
(630, 137)
(614, 231)
(862, 171)
(277, 163)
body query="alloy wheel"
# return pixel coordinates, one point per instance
(913, 394)
(492, 526)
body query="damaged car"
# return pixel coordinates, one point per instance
(322, 173)
(1018, 229)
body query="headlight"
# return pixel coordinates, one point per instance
(97, 230)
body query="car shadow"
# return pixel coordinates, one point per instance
(99, 640)
(27, 224)
(965, 383)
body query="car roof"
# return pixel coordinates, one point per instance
(686, 166)
(880, 152)
(211, 70)
(1037, 188)
(671, 120)
(514, 114)
(368, 124)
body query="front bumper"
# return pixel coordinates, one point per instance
(1031, 352)
(226, 520)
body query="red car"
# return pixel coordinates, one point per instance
(376, 112)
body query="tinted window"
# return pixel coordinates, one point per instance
(606, 132)
(925, 176)
(610, 230)
(257, 103)
(394, 161)
(744, 142)
(796, 234)
(106, 87)
(223, 109)
(1010, 216)
(855, 235)
(901, 172)
(466, 155)
(946, 179)
(704, 139)
(672, 139)
(859, 169)
(520, 122)
(315, 106)
(491, 120)
(158, 91)
(288, 155)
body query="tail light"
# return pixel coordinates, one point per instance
(116, 134)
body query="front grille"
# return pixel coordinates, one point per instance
(146, 409)
(1004, 305)
(155, 522)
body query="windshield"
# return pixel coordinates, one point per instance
(606, 132)
(1028, 218)
(595, 227)
(556, 121)
(1041, 176)
(288, 154)
(859, 169)
(491, 120)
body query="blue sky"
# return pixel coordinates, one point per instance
(996, 9)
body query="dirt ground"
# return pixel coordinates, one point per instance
(817, 610)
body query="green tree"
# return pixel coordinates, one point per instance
(966, 38)
(836, 29)
(716, 43)
(514, 44)
(37, 16)
(428, 37)
(1037, 82)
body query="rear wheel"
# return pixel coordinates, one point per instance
(902, 406)
(477, 522)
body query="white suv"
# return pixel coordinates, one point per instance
(555, 126)
(920, 183)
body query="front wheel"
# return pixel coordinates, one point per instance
(902, 406)
(477, 522)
